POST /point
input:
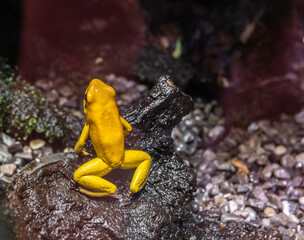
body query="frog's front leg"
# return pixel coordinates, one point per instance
(126, 126)
(83, 137)
(141, 161)
(89, 176)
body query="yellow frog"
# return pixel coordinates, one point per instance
(107, 130)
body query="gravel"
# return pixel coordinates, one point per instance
(261, 166)
(14, 155)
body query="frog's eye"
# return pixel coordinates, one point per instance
(85, 100)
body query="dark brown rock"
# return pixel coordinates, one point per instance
(45, 204)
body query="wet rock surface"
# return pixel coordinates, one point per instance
(46, 204)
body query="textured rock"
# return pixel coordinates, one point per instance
(46, 204)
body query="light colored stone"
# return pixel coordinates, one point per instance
(269, 211)
(266, 222)
(232, 206)
(68, 149)
(37, 144)
(294, 219)
(216, 132)
(300, 158)
(285, 208)
(7, 140)
(24, 155)
(27, 149)
(6, 155)
(301, 200)
(209, 155)
(280, 150)
(8, 169)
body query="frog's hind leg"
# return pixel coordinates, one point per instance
(141, 161)
(89, 176)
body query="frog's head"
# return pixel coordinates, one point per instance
(97, 93)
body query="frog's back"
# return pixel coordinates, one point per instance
(106, 133)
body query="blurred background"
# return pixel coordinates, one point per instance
(248, 54)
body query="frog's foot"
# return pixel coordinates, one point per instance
(93, 193)
(95, 186)
(89, 177)
(141, 161)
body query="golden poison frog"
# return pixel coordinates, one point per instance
(107, 130)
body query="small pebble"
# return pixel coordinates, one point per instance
(253, 127)
(19, 161)
(71, 103)
(267, 185)
(7, 140)
(62, 101)
(216, 132)
(24, 155)
(256, 204)
(278, 220)
(258, 193)
(297, 181)
(43, 84)
(301, 200)
(267, 170)
(214, 191)
(266, 222)
(285, 208)
(274, 199)
(281, 173)
(6, 155)
(300, 158)
(256, 223)
(294, 219)
(241, 213)
(8, 169)
(27, 149)
(98, 60)
(283, 230)
(269, 211)
(52, 96)
(209, 155)
(226, 217)
(280, 150)
(241, 188)
(65, 91)
(262, 160)
(232, 206)
(37, 144)
(299, 117)
(68, 149)
(251, 214)
(270, 147)
(218, 179)
(15, 147)
(282, 183)
(288, 161)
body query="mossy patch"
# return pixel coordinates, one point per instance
(24, 111)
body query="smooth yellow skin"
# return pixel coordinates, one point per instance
(107, 130)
